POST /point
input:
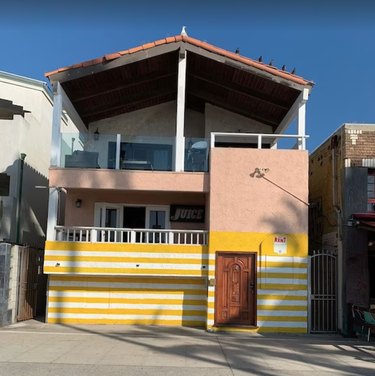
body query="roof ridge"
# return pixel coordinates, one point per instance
(196, 42)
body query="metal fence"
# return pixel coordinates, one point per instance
(323, 292)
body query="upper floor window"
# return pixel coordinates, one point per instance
(371, 190)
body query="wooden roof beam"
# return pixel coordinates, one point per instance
(215, 100)
(228, 87)
(123, 87)
(116, 107)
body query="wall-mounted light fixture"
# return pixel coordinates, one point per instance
(96, 135)
(259, 172)
(78, 203)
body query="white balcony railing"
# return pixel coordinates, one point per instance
(259, 139)
(130, 235)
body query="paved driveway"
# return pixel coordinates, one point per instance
(33, 348)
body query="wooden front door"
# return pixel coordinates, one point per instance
(235, 288)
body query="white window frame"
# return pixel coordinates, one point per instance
(100, 210)
(164, 208)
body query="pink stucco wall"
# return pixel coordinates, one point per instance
(245, 203)
(84, 216)
(163, 181)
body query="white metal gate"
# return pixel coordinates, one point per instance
(322, 292)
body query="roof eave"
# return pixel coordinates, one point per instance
(166, 45)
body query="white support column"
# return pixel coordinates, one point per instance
(56, 124)
(53, 202)
(118, 149)
(53, 205)
(180, 118)
(301, 119)
(301, 126)
(297, 110)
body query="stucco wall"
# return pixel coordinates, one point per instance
(160, 121)
(155, 121)
(84, 216)
(31, 135)
(322, 179)
(130, 180)
(219, 120)
(241, 202)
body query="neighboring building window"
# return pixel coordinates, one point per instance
(371, 191)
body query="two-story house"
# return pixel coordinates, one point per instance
(174, 202)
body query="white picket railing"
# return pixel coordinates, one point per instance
(130, 235)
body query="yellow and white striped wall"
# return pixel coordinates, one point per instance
(125, 259)
(281, 279)
(108, 283)
(137, 300)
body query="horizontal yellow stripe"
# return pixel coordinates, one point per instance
(281, 297)
(281, 264)
(211, 305)
(73, 269)
(182, 322)
(136, 260)
(76, 269)
(282, 275)
(136, 290)
(135, 301)
(282, 308)
(124, 247)
(257, 329)
(282, 330)
(129, 279)
(282, 318)
(233, 329)
(272, 264)
(273, 286)
(128, 311)
(211, 293)
(244, 241)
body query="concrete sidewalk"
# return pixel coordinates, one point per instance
(33, 348)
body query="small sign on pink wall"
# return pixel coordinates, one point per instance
(280, 244)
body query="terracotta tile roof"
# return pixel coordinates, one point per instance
(195, 42)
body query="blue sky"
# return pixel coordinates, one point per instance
(329, 42)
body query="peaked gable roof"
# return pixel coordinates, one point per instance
(147, 75)
(195, 42)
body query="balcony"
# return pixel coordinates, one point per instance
(123, 152)
(116, 151)
(130, 235)
(127, 252)
(116, 162)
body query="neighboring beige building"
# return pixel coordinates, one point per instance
(342, 214)
(26, 107)
(180, 209)
(30, 134)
